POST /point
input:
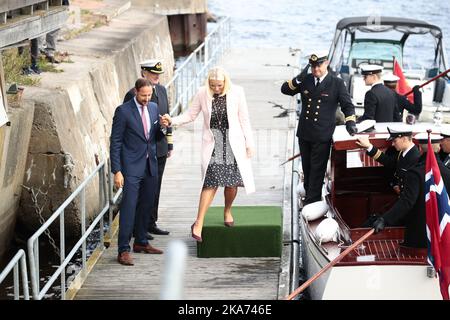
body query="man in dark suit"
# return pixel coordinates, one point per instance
(390, 80)
(410, 207)
(379, 102)
(135, 168)
(150, 70)
(405, 155)
(321, 92)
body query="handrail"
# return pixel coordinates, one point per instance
(13, 265)
(181, 88)
(105, 192)
(192, 72)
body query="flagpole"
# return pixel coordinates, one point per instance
(431, 80)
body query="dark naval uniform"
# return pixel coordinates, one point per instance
(317, 123)
(410, 207)
(404, 104)
(395, 161)
(379, 104)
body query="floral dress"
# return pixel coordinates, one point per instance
(222, 170)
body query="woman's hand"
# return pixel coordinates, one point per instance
(165, 120)
(250, 152)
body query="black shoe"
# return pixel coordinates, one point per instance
(149, 236)
(35, 69)
(156, 230)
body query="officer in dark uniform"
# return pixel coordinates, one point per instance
(444, 153)
(320, 92)
(151, 69)
(400, 158)
(390, 81)
(410, 206)
(379, 102)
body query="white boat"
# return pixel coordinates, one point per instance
(377, 40)
(381, 268)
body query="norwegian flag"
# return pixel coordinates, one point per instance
(437, 210)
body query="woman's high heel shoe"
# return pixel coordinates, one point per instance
(196, 237)
(228, 224)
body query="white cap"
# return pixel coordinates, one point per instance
(422, 137)
(445, 131)
(365, 125)
(367, 69)
(390, 77)
(152, 65)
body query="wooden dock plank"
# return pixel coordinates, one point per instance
(212, 278)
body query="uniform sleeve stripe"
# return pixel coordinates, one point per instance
(291, 86)
(377, 155)
(350, 118)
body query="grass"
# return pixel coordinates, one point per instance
(13, 63)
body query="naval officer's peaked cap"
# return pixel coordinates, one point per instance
(390, 78)
(422, 137)
(318, 57)
(445, 131)
(399, 131)
(153, 65)
(370, 69)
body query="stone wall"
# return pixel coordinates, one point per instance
(14, 142)
(74, 109)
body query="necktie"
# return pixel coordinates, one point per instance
(318, 82)
(144, 122)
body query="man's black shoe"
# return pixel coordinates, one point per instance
(156, 230)
(149, 236)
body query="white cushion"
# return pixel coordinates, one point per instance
(327, 230)
(315, 210)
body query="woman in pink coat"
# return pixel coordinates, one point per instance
(227, 143)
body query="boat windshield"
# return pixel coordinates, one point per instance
(375, 52)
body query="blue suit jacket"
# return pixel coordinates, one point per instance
(128, 145)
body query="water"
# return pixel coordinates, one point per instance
(310, 25)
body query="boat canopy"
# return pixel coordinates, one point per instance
(383, 24)
(346, 30)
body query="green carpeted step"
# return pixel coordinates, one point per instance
(257, 232)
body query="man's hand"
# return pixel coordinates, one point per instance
(396, 189)
(379, 225)
(351, 127)
(118, 179)
(301, 77)
(363, 141)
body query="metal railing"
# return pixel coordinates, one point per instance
(14, 265)
(193, 71)
(105, 194)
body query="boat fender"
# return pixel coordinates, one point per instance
(301, 189)
(327, 230)
(315, 210)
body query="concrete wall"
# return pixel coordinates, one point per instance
(173, 7)
(14, 142)
(74, 109)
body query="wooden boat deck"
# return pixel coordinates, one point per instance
(212, 278)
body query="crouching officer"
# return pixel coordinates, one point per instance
(320, 93)
(379, 102)
(390, 81)
(410, 207)
(405, 155)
